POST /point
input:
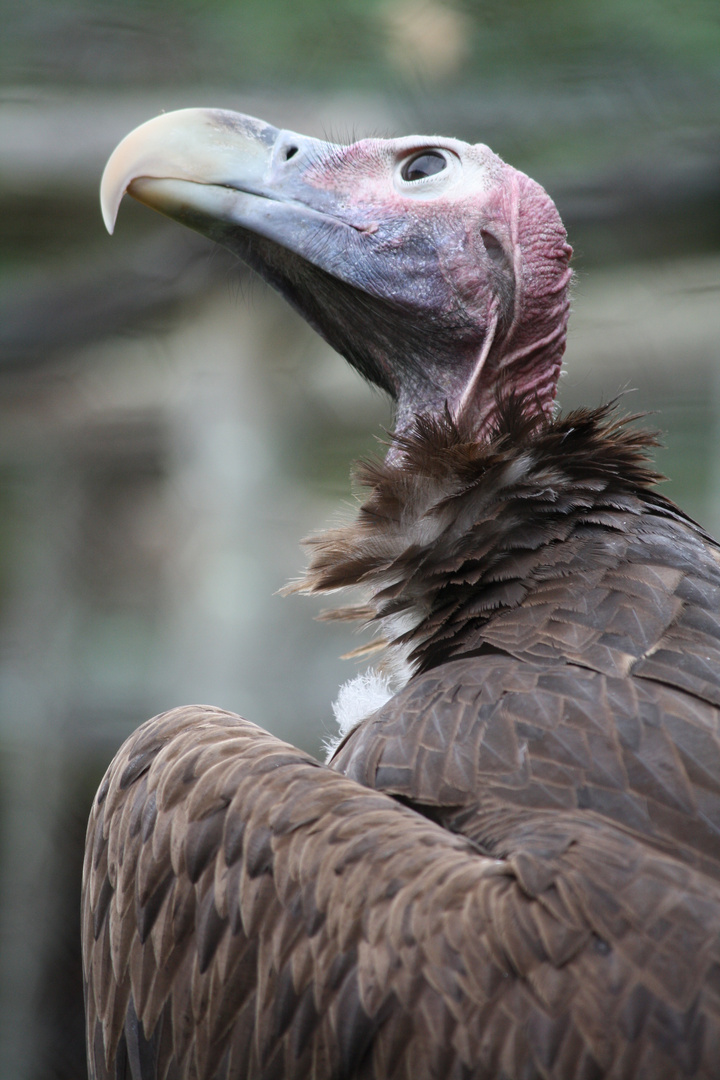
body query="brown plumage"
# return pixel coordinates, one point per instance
(512, 869)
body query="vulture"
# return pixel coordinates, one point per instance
(509, 869)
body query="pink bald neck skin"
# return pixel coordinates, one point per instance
(527, 350)
(500, 250)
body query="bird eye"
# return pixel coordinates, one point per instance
(423, 165)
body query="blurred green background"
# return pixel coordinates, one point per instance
(169, 429)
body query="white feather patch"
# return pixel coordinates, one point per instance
(358, 698)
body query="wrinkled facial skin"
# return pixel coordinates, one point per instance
(432, 266)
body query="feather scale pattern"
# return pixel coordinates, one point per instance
(512, 868)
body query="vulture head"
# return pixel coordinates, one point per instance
(438, 271)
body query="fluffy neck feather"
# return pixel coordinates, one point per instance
(453, 530)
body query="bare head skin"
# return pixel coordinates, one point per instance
(437, 270)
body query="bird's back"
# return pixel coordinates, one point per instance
(249, 912)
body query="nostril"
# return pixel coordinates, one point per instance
(291, 151)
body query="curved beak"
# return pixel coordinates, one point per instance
(210, 147)
(254, 189)
(230, 177)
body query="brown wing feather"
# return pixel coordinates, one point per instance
(484, 742)
(591, 789)
(288, 922)
(250, 913)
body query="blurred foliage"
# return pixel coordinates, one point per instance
(361, 44)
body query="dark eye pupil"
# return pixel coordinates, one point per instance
(426, 164)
